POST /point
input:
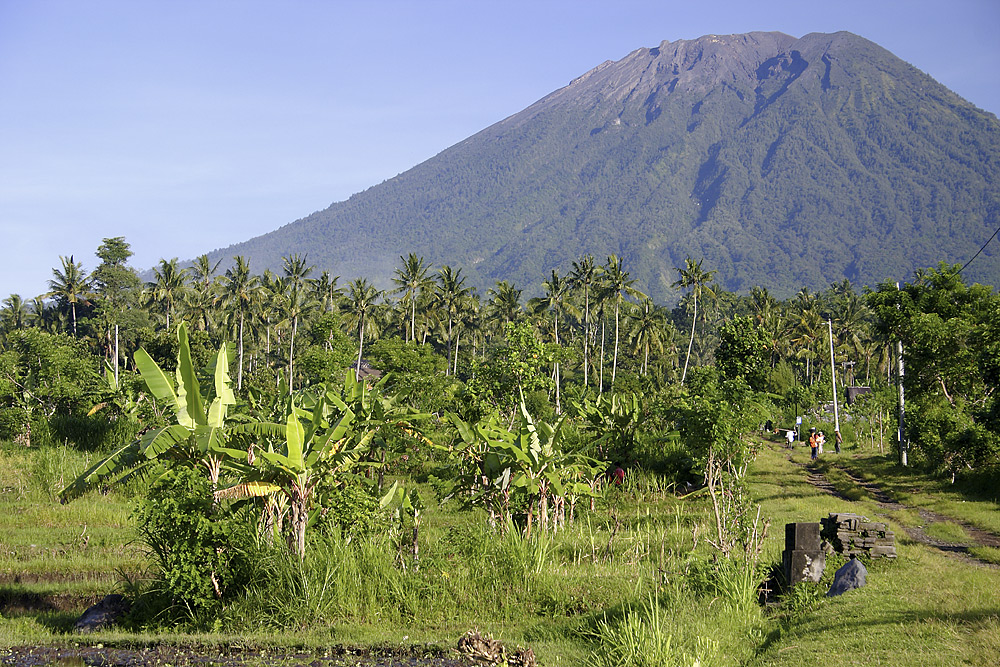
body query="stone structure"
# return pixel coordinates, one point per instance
(855, 535)
(804, 558)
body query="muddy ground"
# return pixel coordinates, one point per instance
(172, 656)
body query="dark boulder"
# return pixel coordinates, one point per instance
(105, 613)
(850, 576)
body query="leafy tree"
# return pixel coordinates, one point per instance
(517, 367)
(742, 352)
(204, 556)
(949, 335)
(44, 375)
(118, 287)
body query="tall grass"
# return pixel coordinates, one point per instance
(640, 639)
(361, 580)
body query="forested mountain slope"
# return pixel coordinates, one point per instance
(782, 162)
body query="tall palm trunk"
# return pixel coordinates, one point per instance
(239, 375)
(586, 335)
(449, 344)
(291, 349)
(691, 341)
(614, 363)
(558, 406)
(413, 318)
(361, 344)
(603, 336)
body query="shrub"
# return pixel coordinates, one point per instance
(351, 509)
(203, 554)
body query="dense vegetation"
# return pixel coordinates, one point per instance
(279, 483)
(784, 163)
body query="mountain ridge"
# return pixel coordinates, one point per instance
(783, 162)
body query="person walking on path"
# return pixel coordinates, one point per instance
(813, 442)
(790, 436)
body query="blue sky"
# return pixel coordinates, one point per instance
(188, 126)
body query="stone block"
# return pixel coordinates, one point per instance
(802, 536)
(803, 565)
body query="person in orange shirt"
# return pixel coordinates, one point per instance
(813, 442)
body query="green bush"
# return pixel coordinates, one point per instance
(12, 422)
(204, 555)
(351, 509)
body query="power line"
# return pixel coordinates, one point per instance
(981, 249)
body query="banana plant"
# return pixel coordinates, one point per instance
(408, 504)
(318, 440)
(384, 416)
(529, 458)
(486, 469)
(319, 443)
(615, 418)
(198, 435)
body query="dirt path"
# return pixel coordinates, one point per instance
(959, 550)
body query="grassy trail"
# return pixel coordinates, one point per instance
(934, 605)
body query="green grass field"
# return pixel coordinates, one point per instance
(616, 583)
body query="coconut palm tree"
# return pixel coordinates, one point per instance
(297, 302)
(505, 302)
(649, 330)
(267, 307)
(70, 287)
(200, 295)
(361, 297)
(808, 327)
(168, 286)
(556, 299)
(238, 295)
(584, 275)
(616, 280)
(326, 292)
(411, 278)
(15, 313)
(451, 294)
(697, 280)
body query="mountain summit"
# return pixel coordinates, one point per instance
(781, 162)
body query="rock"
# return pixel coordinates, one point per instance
(105, 613)
(488, 651)
(850, 576)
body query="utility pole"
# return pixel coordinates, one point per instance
(833, 380)
(900, 433)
